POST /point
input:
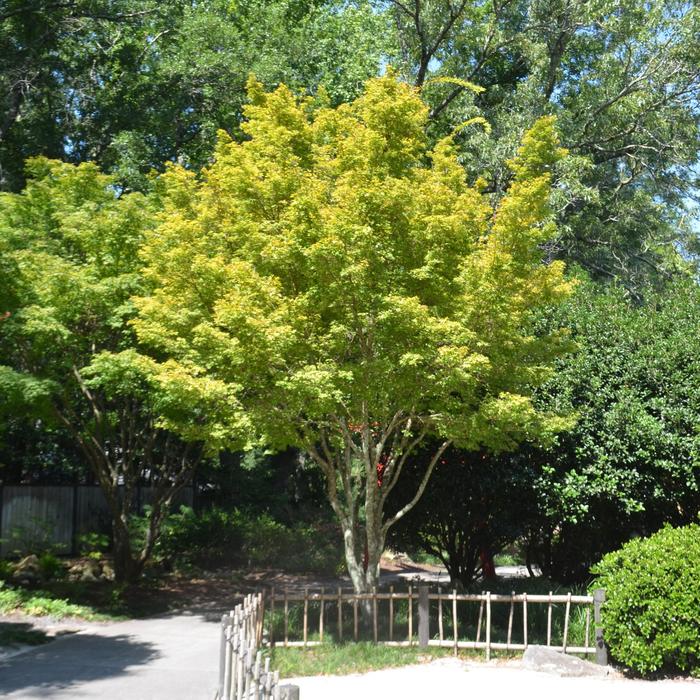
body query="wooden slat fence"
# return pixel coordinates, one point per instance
(40, 517)
(242, 671)
(311, 613)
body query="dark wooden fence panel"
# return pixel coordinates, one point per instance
(92, 511)
(36, 517)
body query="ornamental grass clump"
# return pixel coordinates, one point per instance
(652, 612)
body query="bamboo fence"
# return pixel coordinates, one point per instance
(341, 604)
(242, 671)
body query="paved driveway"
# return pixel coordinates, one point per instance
(167, 658)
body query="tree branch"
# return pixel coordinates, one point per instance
(421, 488)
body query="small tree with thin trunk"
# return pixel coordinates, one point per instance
(67, 353)
(353, 294)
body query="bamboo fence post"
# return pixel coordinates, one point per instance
(525, 620)
(256, 674)
(230, 683)
(588, 629)
(375, 628)
(235, 655)
(320, 617)
(276, 693)
(235, 665)
(601, 653)
(261, 618)
(240, 680)
(267, 690)
(246, 617)
(440, 627)
(454, 617)
(272, 617)
(306, 615)
(225, 677)
(549, 620)
(223, 645)
(355, 621)
(340, 614)
(510, 619)
(481, 618)
(391, 613)
(566, 621)
(286, 618)
(488, 625)
(423, 615)
(410, 615)
(235, 649)
(248, 663)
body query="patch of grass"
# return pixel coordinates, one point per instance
(507, 559)
(13, 634)
(342, 659)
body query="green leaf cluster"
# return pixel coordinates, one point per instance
(133, 84)
(630, 463)
(622, 79)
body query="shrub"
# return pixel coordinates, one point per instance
(93, 545)
(300, 547)
(50, 566)
(220, 537)
(209, 539)
(652, 610)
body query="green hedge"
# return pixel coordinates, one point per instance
(652, 609)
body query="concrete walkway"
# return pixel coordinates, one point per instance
(167, 658)
(456, 679)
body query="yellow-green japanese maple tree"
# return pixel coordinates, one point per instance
(337, 285)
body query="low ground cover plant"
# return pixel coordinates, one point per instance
(40, 603)
(652, 612)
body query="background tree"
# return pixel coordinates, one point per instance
(630, 465)
(353, 294)
(475, 505)
(68, 351)
(623, 81)
(627, 467)
(132, 84)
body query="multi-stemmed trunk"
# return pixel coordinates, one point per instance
(362, 464)
(122, 443)
(129, 562)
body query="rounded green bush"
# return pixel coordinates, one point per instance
(652, 611)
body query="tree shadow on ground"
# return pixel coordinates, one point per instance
(71, 660)
(14, 634)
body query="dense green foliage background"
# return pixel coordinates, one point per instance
(629, 465)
